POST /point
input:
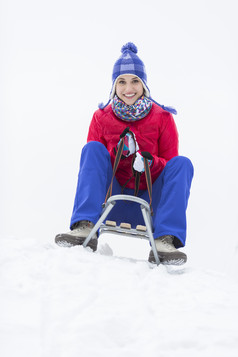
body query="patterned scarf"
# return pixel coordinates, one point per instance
(133, 112)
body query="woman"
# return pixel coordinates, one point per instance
(152, 130)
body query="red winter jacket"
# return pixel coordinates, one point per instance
(156, 133)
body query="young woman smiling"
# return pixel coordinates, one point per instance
(152, 130)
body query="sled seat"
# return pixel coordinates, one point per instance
(143, 232)
(125, 229)
(126, 225)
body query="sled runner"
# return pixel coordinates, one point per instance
(142, 232)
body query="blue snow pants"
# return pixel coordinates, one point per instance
(170, 193)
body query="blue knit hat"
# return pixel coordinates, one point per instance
(130, 63)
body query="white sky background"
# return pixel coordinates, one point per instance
(56, 64)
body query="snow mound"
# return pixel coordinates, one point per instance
(58, 302)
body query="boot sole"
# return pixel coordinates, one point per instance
(176, 258)
(66, 240)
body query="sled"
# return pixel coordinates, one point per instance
(141, 232)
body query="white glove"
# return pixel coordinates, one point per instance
(139, 162)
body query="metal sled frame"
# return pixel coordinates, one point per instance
(145, 209)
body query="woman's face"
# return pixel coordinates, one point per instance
(129, 88)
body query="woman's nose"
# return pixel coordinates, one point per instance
(128, 87)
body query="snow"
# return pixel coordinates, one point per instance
(70, 301)
(55, 67)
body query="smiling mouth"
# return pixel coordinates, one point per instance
(129, 95)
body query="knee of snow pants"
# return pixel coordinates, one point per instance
(94, 177)
(170, 199)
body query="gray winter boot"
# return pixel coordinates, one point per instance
(77, 236)
(167, 252)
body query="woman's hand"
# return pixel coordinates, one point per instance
(139, 160)
(130, 144)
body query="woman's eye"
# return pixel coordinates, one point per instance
(135, 81)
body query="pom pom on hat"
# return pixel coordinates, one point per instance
(129, 46)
